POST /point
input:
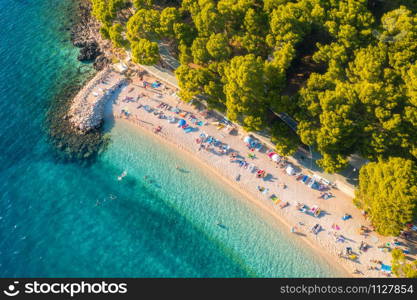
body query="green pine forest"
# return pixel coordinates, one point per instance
(345, 70)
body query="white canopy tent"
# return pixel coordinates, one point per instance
(290, 170)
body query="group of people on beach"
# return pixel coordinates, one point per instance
(243, 163)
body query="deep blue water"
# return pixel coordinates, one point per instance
(62, 219)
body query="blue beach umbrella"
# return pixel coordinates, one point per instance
(386, 268)
(182, 122)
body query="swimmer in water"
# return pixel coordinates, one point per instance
(148, 179)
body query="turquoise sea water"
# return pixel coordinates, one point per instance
(61, 219)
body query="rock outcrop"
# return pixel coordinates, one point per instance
(89, 52)
(85, 34)
(87, 109)
(101, 62)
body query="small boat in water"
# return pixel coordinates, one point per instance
(222, 226)
(122, 175)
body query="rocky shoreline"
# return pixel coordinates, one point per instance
(69, 144)
(85, 34)
(72, 145)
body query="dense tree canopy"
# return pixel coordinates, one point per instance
(145, 52)
(218, 46)
(106, 10)
(199, 51)
(143, 24)
(115, 35)
(368, 75)
(168, 18)
(388, 192)
(142, 3)
(244, 90)
(242, 55)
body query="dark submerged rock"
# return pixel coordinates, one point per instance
(101, 62)
(89, 52)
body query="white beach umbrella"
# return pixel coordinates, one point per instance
(247, 139)
(275, 157)
(290, 170)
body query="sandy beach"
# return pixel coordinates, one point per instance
(151, 108)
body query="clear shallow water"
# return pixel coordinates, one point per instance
(65, 220)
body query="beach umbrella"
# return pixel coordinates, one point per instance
(271, 154)
(247, 140)
(182, 122)
(386, 268)
(290, 170)
(275, 157)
